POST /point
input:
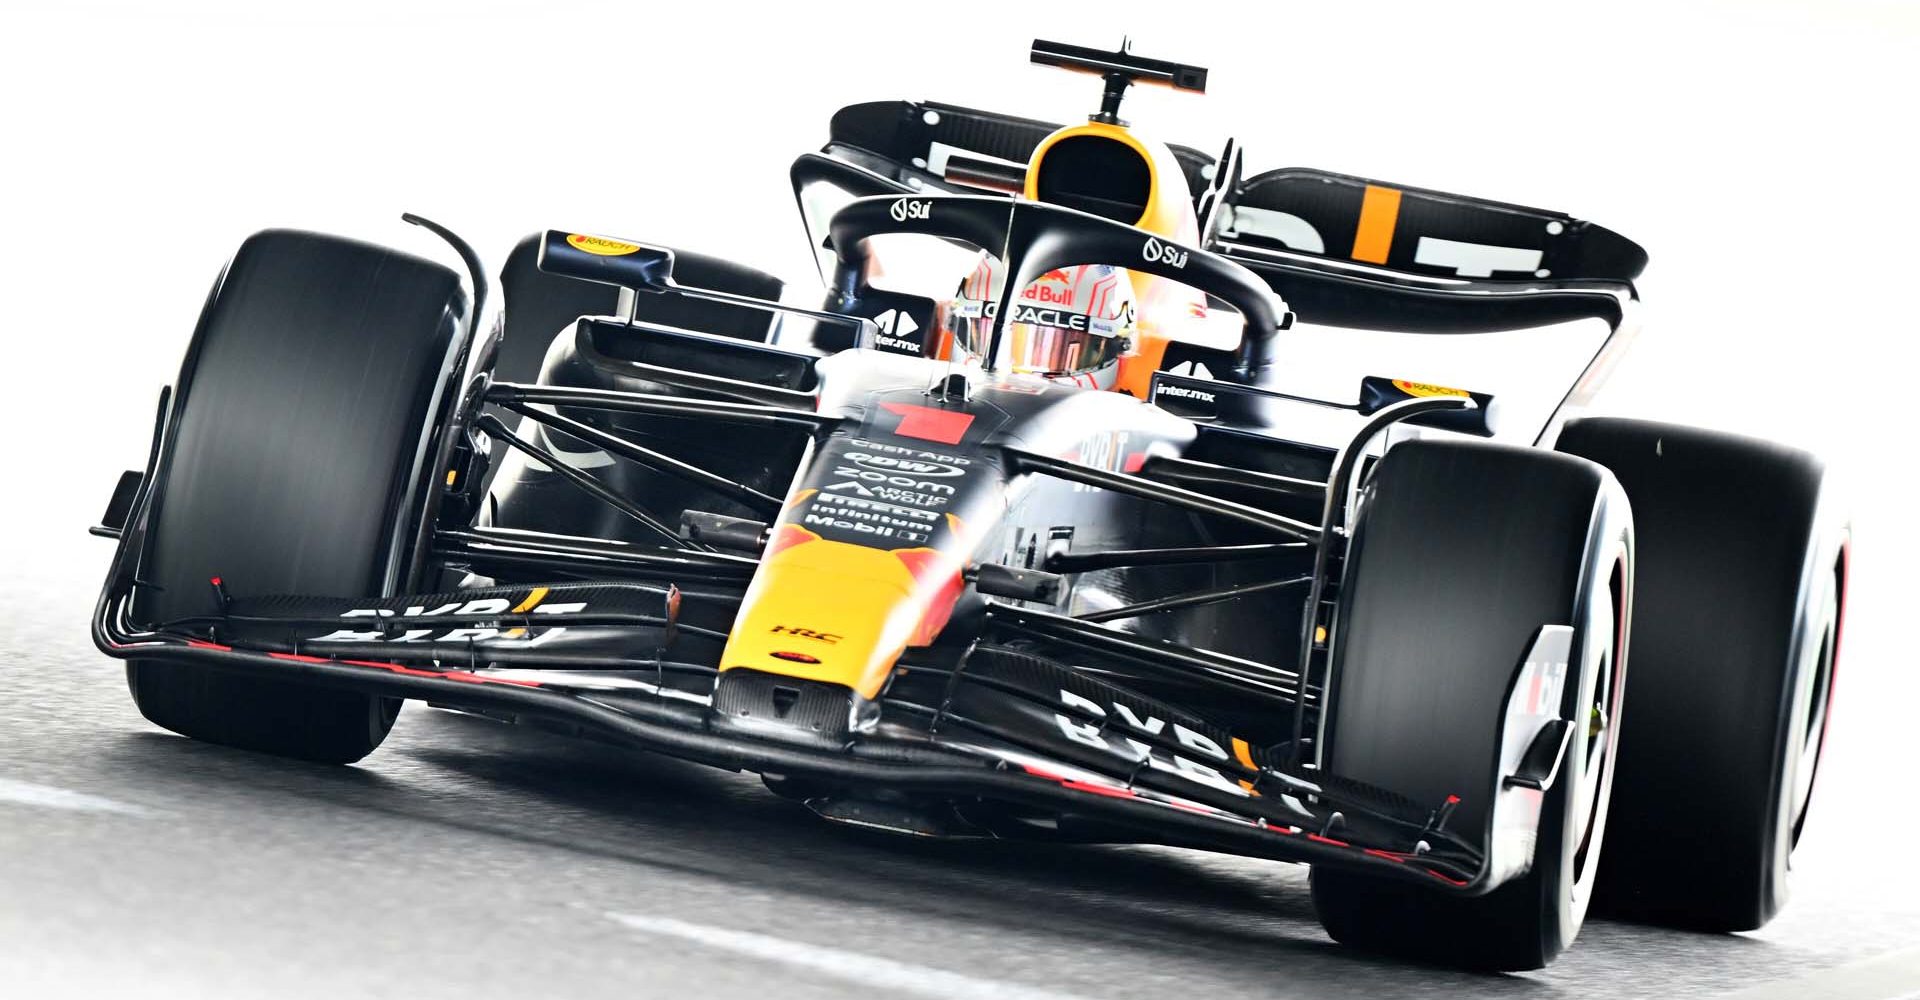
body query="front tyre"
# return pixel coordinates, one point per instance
(1462, 552)
(300, 424)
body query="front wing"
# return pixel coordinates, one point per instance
(990, 722)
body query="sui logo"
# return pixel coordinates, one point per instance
(906, 208)
(1155, 251)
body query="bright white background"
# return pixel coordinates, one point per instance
(1761, 151)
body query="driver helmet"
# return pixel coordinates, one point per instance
(1072, 324)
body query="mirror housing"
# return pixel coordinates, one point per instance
(606, 261)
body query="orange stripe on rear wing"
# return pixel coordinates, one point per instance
(1379, 212)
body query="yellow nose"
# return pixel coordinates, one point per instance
(832, 611)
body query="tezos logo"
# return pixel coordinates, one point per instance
(906, 208)
(1154, 250)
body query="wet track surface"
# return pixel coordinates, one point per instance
(469, 859)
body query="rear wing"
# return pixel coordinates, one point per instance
(1419, 231)
(928, 146)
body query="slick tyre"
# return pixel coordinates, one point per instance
(1740, 593)
(299, 427)
(1462, 552)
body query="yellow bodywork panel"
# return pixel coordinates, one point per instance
(837, 612)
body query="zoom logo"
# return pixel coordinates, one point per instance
(1162, 253)
(906, 208)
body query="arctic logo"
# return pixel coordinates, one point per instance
(906, 208)
(1163, 253)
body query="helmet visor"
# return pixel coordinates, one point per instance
(1051, 341)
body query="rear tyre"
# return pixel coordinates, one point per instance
(301, 421)
(1740, 591)
(1462, 552)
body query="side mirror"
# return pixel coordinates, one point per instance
(1377, 393)
(606, 261)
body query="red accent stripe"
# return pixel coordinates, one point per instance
(1112, 793)
(1081, 786)
(1450, 881)
(930, 424)
(1316, 838)
(927, 567)
(197, 644)
(787, 536)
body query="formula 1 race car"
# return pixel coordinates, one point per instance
(1055, 514)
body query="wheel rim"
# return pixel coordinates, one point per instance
(1599, 711)
(1812, 737)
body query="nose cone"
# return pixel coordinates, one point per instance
(839, 613)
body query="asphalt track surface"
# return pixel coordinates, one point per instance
(469, 859)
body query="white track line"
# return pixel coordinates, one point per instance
(876, 975)
(26, 793)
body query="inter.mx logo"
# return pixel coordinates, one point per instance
(896, 330)
(1182, 392)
